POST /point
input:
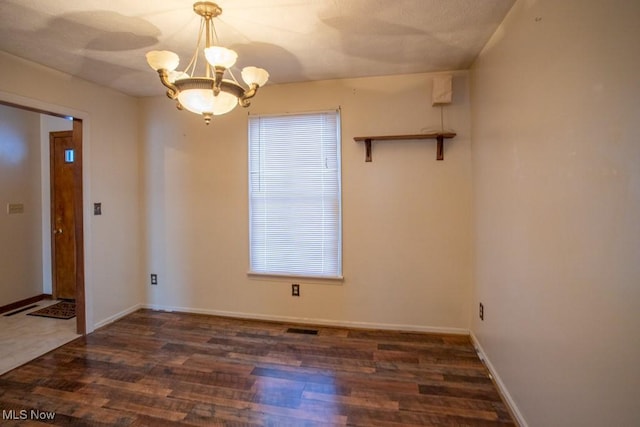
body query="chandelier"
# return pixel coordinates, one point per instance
(214, 93)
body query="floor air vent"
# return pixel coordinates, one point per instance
(302, 331)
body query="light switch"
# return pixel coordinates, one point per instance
(97, 208)
(15, 208)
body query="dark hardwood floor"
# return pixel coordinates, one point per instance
(173, 369)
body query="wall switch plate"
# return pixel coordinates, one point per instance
(154, 279)
(295, 290)
(15, 208)
(481, 311)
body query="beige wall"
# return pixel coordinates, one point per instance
(406, 217)
(556, 171)
(111, 176)
(20, 241)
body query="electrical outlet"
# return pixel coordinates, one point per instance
(295, 290)
(481, 311)
(154, 279)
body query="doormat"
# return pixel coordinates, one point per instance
(61, 310)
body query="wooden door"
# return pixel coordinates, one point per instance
(65, 160)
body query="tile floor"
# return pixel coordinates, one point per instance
(23, 338)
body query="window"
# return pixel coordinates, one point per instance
(295, 224)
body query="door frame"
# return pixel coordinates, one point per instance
(80, 120)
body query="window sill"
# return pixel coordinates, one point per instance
(318, 279)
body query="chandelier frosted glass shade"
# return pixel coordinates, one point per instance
(255, 75)
(219, 56)
(163, 59)
(211, 94)
(197, 96)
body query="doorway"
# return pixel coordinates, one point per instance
(68, 284)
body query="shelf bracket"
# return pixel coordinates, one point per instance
(367, 147)
(440, 147)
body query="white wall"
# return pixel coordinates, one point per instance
(406, 216)
(556, 156)
(20, 234)
(113, 252)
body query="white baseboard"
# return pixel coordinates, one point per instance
(313, 321)
(503, 388)
(117, 316)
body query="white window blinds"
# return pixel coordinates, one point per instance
(294, 195)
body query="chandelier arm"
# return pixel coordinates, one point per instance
(219, 76)
(172, 90)
(247, 95)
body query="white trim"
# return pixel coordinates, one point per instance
(118, 316)
(312, 321)
(501, 386)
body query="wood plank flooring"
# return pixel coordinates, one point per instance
(174, 369)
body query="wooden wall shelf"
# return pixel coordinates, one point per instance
(438, 136)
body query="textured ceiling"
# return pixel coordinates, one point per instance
(295, 40)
